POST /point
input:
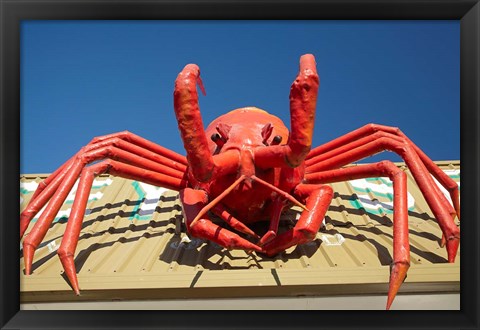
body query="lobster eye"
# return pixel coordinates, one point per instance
(217, 139)
(276, 140)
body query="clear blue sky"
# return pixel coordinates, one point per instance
(81, 79)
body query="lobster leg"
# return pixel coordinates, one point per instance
(38, 232)
(318, 162)
(435, 199)
(125, 141)
(193, 201)
(303, 99)
(377, 131)
(220, 211)
(144, 143)
(170, 157)
(334, 148)
(58, 172)
(278, 205)
(45, 192)
(69, 243)
(317, 198)
(401, 248)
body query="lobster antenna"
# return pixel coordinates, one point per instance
(210, 205)
(281, 192)
(214, 202)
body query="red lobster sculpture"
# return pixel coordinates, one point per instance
(253, 168)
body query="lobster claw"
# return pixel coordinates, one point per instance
(190, 124)
(303, 100)
(200, 84)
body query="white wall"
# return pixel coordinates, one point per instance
(402, 302)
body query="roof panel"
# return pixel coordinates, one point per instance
(133, 238)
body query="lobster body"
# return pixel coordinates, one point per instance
(246, 166)
(245, 130)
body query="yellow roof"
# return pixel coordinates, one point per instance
(133, 245)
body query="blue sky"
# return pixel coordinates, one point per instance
(81, 79)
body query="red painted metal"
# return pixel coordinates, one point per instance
(246, 166)
(401, 248)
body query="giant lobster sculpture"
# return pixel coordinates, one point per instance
(252, 168)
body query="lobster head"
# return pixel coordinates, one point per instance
(264, 136)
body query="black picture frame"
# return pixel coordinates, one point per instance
(13, 12)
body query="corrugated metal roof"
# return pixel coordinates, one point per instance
(133, 246)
